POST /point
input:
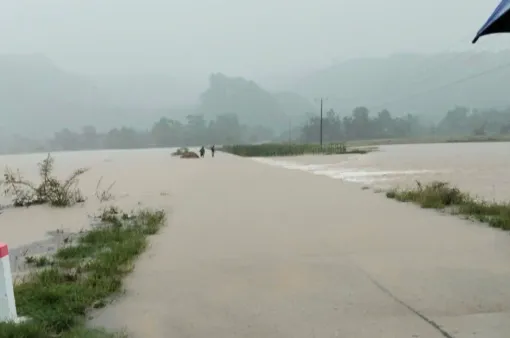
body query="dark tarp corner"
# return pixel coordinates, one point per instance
(498, 22)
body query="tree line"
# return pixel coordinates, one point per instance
(166, 132)
(228, 129)
(360, 125)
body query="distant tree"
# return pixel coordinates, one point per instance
(89, 137)
(455, 122)
(227, 128)
(162, 133)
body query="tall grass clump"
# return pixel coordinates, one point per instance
(185, 153)
(50, 189)
(289, 149)
(180, 151)
(442, 196)
(83, 276)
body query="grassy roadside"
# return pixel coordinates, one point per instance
(430, 139)
(290, 149)
(81, 277)
(442, 196)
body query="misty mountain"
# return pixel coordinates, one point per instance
(253, 104)
(150, 90)
(427, 85)
(38, 77)
(295, 106)
(38, 98)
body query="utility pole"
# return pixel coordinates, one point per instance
(322, 99)
(290, 131)
(321, 122)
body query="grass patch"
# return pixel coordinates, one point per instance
(442, 196)
(38, 261)
(82, 276)
(289, 149)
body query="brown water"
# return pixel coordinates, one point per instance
(142, 178)
(480, 168)
(119, 166)
(261, 259)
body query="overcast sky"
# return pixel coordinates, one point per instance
(238, 37)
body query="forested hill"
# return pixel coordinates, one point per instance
(38, 98)
(410, 83)
(252, 104)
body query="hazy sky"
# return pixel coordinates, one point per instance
(238, 37)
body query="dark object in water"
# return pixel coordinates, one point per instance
(189, 154)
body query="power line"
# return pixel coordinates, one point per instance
(448, 50)
(430, 74)
(432, 71)
(462, 80)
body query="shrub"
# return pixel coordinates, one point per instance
(189, 154)
(50, 190)
(180, 151)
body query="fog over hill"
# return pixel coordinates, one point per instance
(37, 97)
(34, 89)
(422, 84)
(128, 63)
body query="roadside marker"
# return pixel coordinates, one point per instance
(7, 303)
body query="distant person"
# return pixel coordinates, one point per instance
(212, 150)
(202, 151)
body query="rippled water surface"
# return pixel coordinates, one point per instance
(480, 168)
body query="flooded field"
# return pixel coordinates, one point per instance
(480, 168)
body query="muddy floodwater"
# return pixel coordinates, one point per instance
(480, 168)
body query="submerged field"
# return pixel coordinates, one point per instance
(290, 149)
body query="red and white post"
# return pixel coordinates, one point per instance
(7, 303)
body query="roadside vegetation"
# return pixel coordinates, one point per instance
(430, 139)
(82, 276)
(50, 190)
(185, 153)
(442, 196)
(289, 149)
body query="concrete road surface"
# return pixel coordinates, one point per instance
(260, 252)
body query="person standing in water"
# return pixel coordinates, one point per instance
(212, 150)
(202, 151)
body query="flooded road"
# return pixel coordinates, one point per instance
(480, 168)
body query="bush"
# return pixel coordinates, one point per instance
(185, 153)
(289, 149)
(440, 195)
(189, 154)
(180, 151)
(433, 195)
(50, 190)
